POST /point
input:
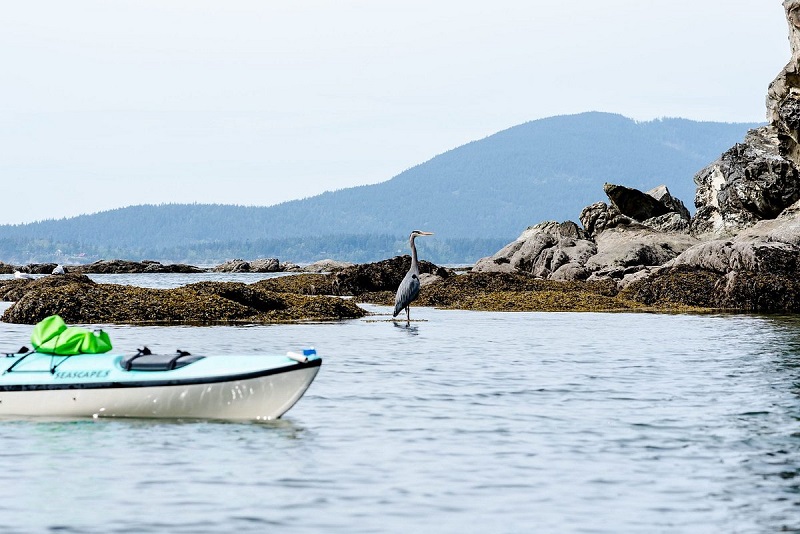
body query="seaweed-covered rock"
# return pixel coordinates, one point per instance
(736, 290)
(301, 284)
(326, 266)
(128, 267)
(382, 276)
(13, 290)
(262, 265)
(79, 300)
(519, 292)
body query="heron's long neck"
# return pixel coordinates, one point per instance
(414, 263)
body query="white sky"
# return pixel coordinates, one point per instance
(105, 104)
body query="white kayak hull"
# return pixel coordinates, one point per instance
(242, 392)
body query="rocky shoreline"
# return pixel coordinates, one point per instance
(117, 266)
(638, 251)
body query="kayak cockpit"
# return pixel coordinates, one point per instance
(144, 360)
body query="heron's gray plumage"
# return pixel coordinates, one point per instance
(409, 287)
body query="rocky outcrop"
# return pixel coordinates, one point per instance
(752, 181)
(635, 231)
(547, 250)
(263, 265)
(758, 178)
(78, 299)
(783, 94)
(748, 214)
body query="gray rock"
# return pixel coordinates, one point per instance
(622, 251)
(723, 256)
(633, 203)
(263, 265)
(656, 209)
(673, 204)
(750, 182)
(782, 95)
(543, 250)
(600, 216)
(326, 266)
(669, 223)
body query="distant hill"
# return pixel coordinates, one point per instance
(476, 198)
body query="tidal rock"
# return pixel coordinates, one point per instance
(263, 265)
(128, 267)
(38, 268)
(736, 290)
(546, 250)
(384, 275)
(326, 266)
(520, 292)
(79, 300)
(759, 256)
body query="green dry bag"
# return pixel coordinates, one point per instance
(51, 335)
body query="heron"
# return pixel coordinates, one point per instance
(409, 287)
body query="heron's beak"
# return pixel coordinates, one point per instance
(425, 233)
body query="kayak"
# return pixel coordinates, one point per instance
(147, 385)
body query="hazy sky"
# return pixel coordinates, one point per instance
(109, 103)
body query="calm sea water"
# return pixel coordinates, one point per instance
(462, 422)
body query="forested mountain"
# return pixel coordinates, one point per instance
(476, 198)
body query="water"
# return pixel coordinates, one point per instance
(462, 422)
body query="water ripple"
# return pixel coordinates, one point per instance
(478, 422)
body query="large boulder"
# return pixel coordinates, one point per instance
(326, 266)
(127, 267)
(262, 265)
(633, 203)
(600, 216)
(751, 182)
(550, 249)
(656, 209)
(622, 251)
